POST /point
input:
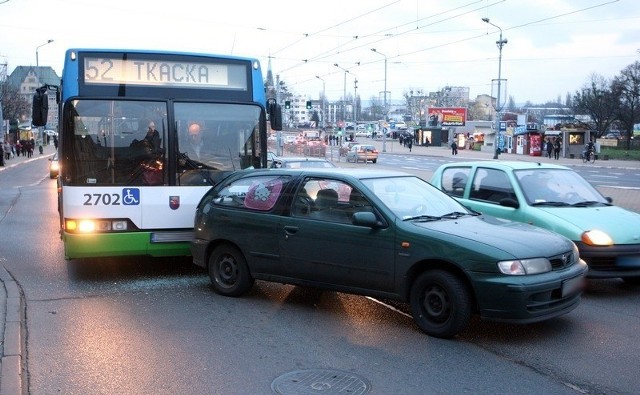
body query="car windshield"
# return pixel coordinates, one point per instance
(557, 187)
(410, 197)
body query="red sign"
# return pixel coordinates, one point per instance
(448, 116)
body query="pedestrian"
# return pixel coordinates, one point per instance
(549, 148)
(556, 149)
(454, 148)
(409, 143)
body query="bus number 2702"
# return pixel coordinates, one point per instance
(128, 197)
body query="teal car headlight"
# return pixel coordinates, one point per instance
(522, 267)
(596, 238)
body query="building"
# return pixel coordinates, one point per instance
(26, 79)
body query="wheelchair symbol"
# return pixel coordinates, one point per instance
(131, 196)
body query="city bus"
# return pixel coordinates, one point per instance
(142, 136)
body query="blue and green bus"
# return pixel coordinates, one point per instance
(142, 136)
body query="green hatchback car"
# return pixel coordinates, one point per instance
(384, 234)
(552, 197)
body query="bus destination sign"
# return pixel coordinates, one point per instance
(109, 71)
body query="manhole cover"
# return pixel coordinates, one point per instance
(320, 381)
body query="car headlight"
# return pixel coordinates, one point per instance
(596, 238)
(521, 267)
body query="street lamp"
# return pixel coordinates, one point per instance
(38, 47)
(384, 134)
(344, 94)
(323, 98)
(500, 43)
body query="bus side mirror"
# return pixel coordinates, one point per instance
(40, 109)
(275, 114)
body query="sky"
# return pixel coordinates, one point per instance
(553, 46)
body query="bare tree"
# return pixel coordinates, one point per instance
(596, 100)
(626, 89)
(14, 106)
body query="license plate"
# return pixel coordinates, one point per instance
(572, 286)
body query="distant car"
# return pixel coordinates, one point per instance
(362, 152)
(385, 234)
(363, 133)
(555, 198)
(54, 166)
(299, 162)
(346, 147)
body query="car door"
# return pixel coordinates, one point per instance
(320, 245)
(488, 187)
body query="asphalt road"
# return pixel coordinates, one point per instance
(122, 326)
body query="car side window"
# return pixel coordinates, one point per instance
(454, 180)
(491, 185)
(323, 199)
(255, 193)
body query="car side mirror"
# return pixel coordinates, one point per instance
(509, 202)
(365, 218)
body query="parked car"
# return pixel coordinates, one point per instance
(300, 162)
(555, 198)
(362, 152)
(54, 166)
(385, 234)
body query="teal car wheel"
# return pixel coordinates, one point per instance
(440, 303)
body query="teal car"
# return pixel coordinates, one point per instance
(552, 197)
(384, 234)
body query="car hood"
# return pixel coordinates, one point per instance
(515, 238)
(623, 226)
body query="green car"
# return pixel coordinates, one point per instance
(384, 234)
(555, 198)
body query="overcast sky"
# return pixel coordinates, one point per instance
(553, 45)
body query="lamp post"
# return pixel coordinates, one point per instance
(37, 48)
(355, 94)
(344, 94)
(384, 134)
(500, 43)
(323, 98)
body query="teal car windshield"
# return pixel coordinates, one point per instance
(557, 186)
(412, 197)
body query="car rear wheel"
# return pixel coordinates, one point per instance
(229, 272)
(440, 303)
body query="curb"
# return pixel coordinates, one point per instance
(11, 363)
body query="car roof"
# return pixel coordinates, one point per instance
(507, 165)
(353, 173)
(301, 159)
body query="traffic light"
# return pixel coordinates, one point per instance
(308, 104)
(287, 104)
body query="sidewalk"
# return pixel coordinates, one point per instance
(393, 147)
(11, 308)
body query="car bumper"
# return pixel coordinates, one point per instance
(198, 249)
(620, 260)
(527, 299)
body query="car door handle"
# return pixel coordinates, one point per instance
(290, 230)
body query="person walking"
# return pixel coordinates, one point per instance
(454, 147)
(556, 149)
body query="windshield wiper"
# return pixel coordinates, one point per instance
(554, 204)
(423, 217)
(454, 215)
(589, 203)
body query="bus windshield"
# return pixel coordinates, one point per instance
(118, 142)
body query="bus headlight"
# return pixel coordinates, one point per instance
(95, 226)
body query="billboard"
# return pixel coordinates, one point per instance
(447, 116)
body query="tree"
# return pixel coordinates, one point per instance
(626, 90)
(13, 105)
(596, 100)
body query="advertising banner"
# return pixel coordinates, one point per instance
(448, 116)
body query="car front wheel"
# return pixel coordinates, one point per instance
(440, 303)
(229, 272)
